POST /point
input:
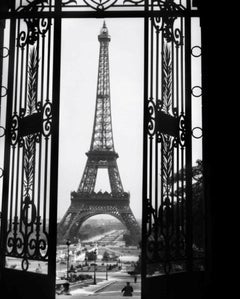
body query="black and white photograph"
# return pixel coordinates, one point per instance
(107, 150)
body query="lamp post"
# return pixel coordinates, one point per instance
(106, 272)
(68, 244)
(95, 259)
(94, 275)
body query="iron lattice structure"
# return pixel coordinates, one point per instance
(86, 203)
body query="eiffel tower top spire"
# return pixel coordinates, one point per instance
(102, 136)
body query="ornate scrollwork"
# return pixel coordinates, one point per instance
(158, 253)
(151, 117)
(64, 3)
(37, 245)
(47, 119)
(27, 204)
(155, 244)
(182, 130)
(163, 243)
(167, 162)
(27, 244)
(35, 26)
(15, 240)
(167, 80)
(14, 129)
(166, 23)
(135, 2)
(100, 5)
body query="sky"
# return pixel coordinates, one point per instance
(79, 68)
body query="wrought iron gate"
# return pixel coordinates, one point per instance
(28, 227)
(29, 201)
(170, 136)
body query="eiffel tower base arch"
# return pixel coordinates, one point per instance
(84, 206)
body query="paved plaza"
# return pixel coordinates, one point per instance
(104, 289)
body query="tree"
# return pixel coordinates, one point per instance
(106, 256)
(91, 255)
(197, 202)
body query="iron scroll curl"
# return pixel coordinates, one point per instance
(35, 27)
(47, 119)
(167, 24)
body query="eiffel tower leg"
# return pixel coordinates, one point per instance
(131, 223)
(114, 177)
(65, 223)
(72, 231)
(88, 180)
(70, 226)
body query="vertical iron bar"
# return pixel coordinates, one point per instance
(145, 157)
(156, 144)
(21, 193)
(35, 143)
(5, 193)
(177, 154)
(48, 60)
(2, 27)
(182, 149)
(208, 162)
(149, 139)
(16, 69)
(18, 148)
(26, 76)
(54, 149)
(25, 108)
(188, 105)
(11, 179)
(173, 224)
(46, 178)
(161, 203)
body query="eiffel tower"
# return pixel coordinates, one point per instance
(86, 203)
